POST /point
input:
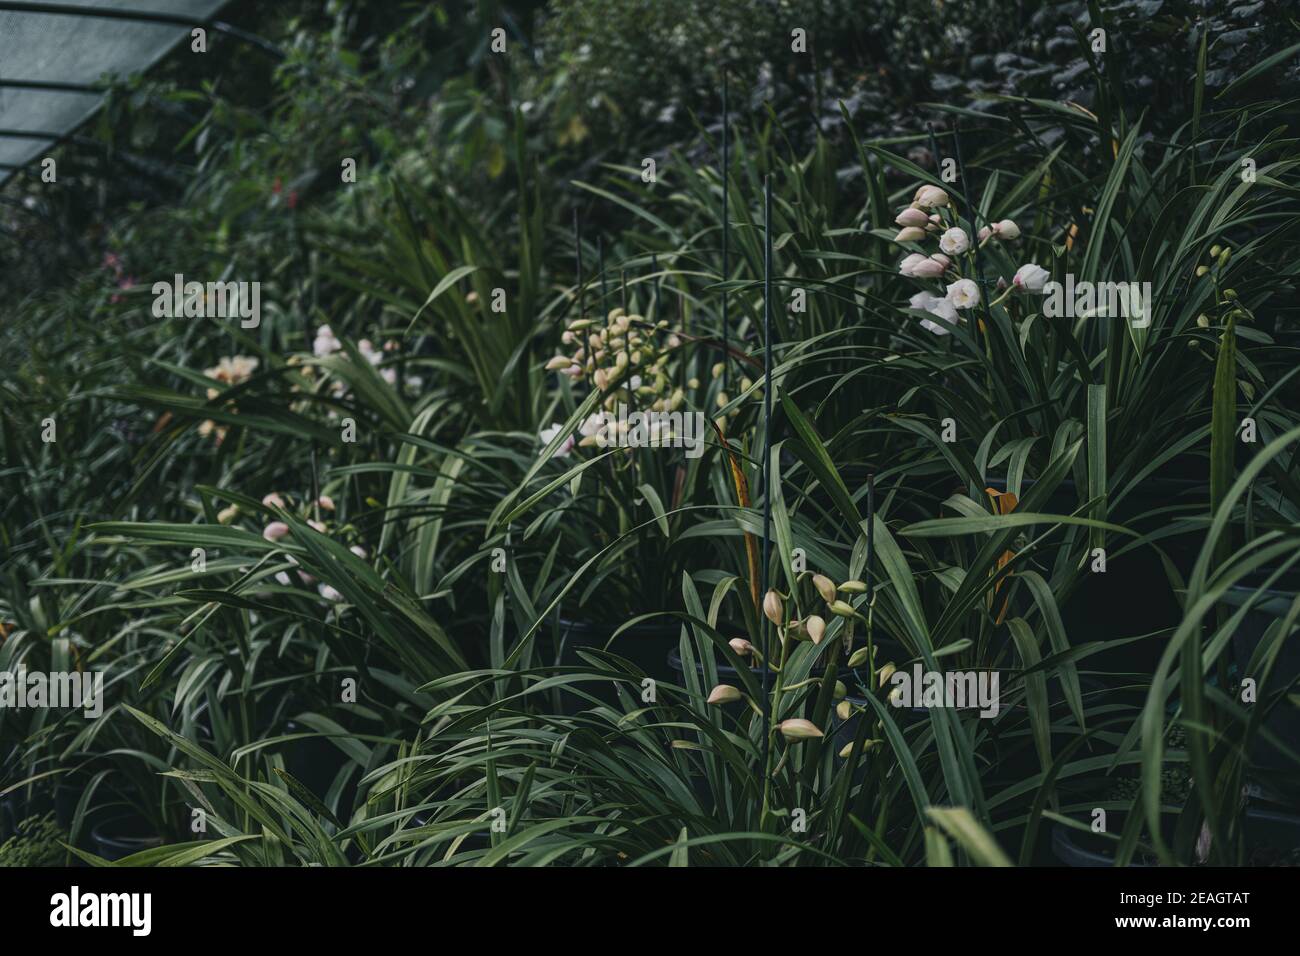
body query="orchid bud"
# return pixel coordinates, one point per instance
(984, 233)
(955, 241)
(773, 608)
(227, 515)
(275, 531)
(816, 628)
(717, 369)
(844, 709)
(842, 609)
(928, 269)
(853, 587)
(909, 264)
(326, 502)
(914, 217)
(859, 657)
(867, 747)
(1006, 229)
(930, 197)
(797, 729)
(273, 500)
(886, 672)
(910, 234)
(741, 646)
(825, 587)
(723, 694)
(1031, 277)
(558, 362)
(840, 690)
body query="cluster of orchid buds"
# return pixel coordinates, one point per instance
(626, 357)
(931, 213)
(1225, 298)
(627, 360)
(327, 343)
(229, 371)
(746, 383)
(275, 530)
(811, 628)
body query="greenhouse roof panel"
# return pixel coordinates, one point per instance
(58, 49)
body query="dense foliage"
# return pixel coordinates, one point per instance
(366, 588)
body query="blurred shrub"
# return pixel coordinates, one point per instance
(36, 843)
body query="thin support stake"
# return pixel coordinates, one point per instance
(726, 237)
(767, 451)
(582, 294)
(604, 289)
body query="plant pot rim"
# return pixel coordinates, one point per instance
(102, 832)
(645, 627)
(1065, 846)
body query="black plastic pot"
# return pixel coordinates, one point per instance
(646, 645)
(1272, 838)
(10, 810)
(1133, 596)
(314, 762)
(122, 836)
(67, 794)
